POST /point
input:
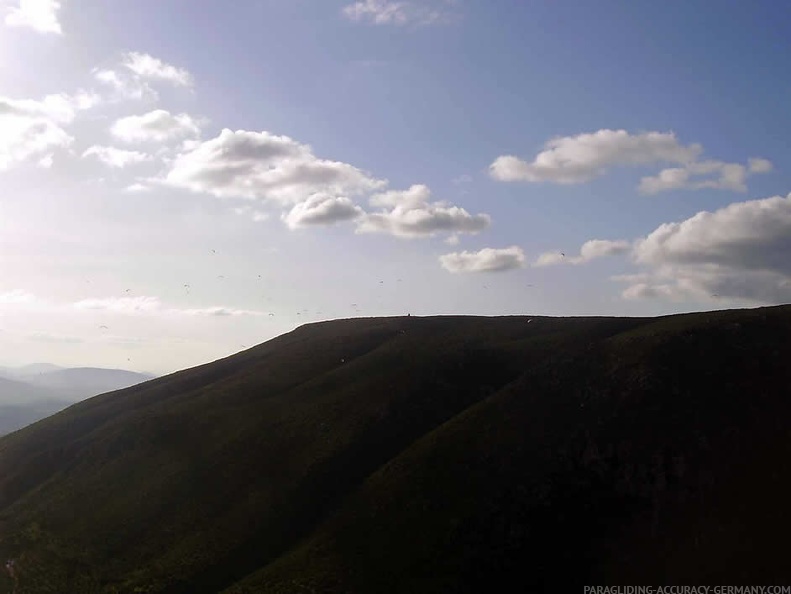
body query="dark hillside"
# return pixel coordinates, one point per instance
(445, 454)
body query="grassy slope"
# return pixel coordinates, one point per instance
(442, 454)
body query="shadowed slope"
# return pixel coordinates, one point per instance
(413, 454)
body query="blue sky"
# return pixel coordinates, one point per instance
(457, 145)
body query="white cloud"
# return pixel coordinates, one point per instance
(148, 67)
(136, 70)
(740, 251)
(321, 209)
(123, 305)
(22, 138)
(215, 312)
(726, 176)
(153, 306)
(401, 12)
(485, 260)
(39, 15)
(115, 157)
(126, 86)
(60, 108)
(412, 215)
(31, 129)
(581, 158)
(590, 250)
(155, 126)
(137, 188)
(265, 167)
(54, 338)
(17, 297)
(758, 165)
(257, 215)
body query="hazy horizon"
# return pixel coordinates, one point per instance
(179, 181)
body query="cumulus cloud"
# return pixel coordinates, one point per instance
(581, 158)
(132, 78)
(485, 260)
(39, 15)
(590, 250)
(410, 213)
(265, 167)
(155, 126)
(321, 209)
(115, 157)
(740, 251)
(401, 12)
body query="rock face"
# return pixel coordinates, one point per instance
(443, 454)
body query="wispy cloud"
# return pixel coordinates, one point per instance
(705, 174)
(148, 67)
(402, 12)
(132, 78)
(32, 129)
(146, 305)
(55, 338)
(17, 296)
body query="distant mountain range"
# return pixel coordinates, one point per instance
(33, 392)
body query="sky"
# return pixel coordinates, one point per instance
(183, 180)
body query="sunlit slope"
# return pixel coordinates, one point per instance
(421, 454)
